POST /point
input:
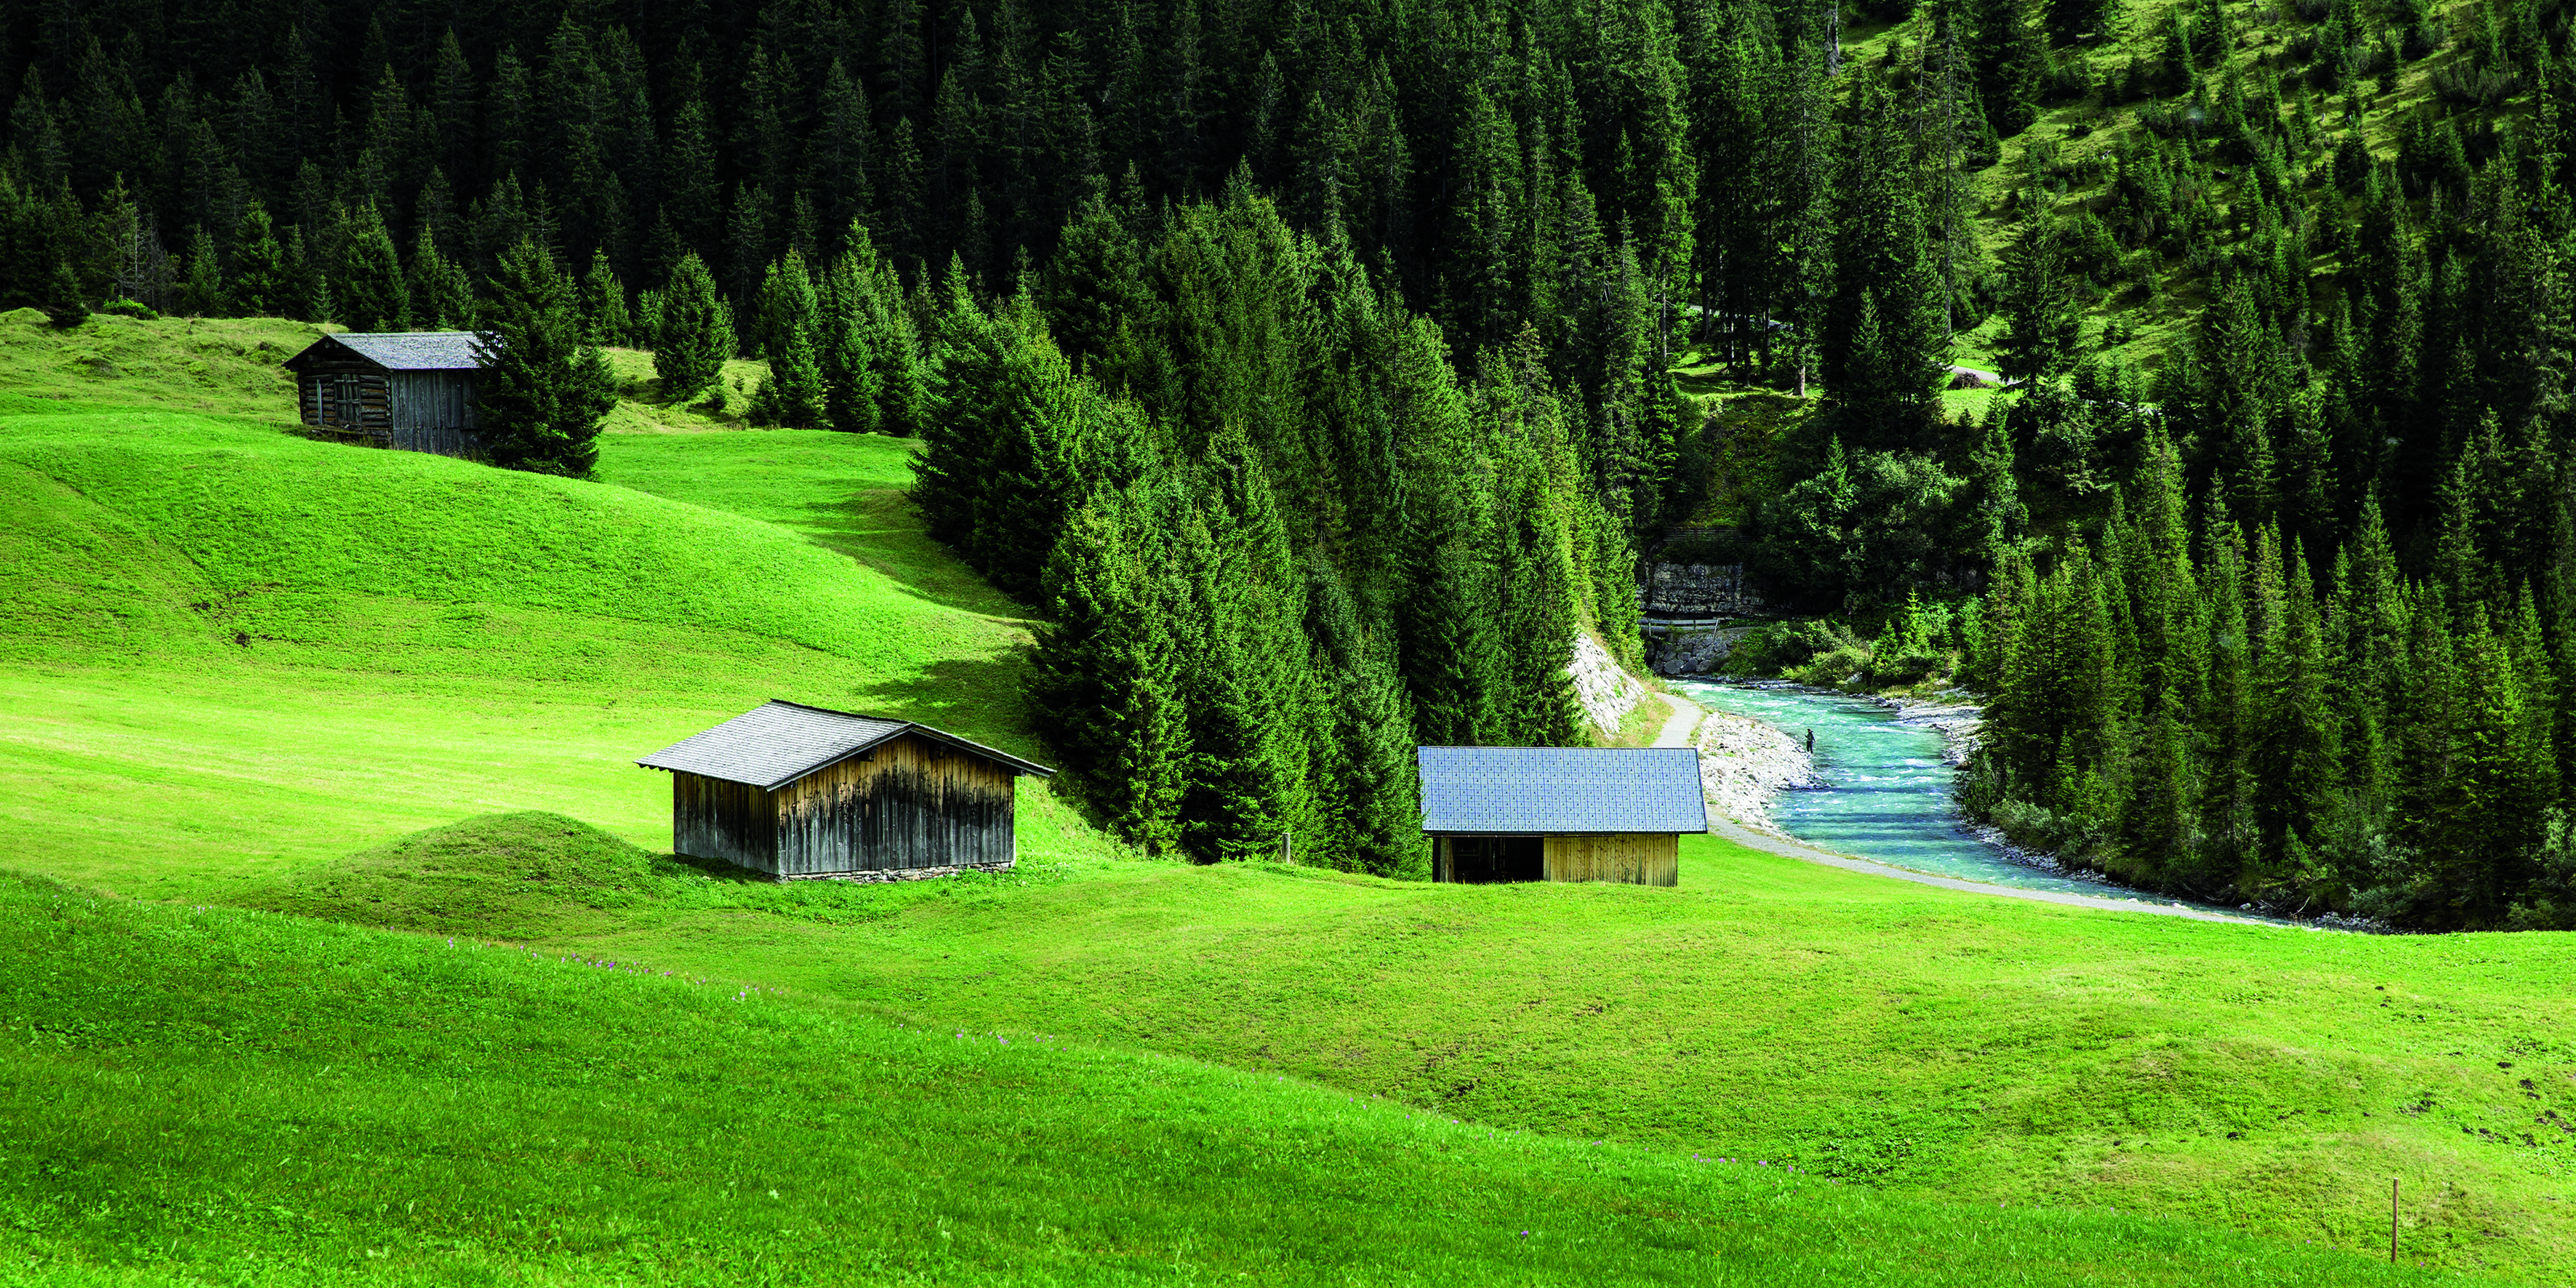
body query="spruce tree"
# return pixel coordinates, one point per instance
(262, 281)
(309, 286)
(1366, 780)
(201, 290)
(2010, 58)
(2042, 321)
(843, 301)
(694, 335)
(792, 394)
(543, 393)
(1106, 669)
(604, 316)
(369, 289)
(442, 296)
(1252, 706)
(1884, 337)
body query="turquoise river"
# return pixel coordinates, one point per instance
(1887, 791)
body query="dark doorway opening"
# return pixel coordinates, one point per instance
(1483, 860)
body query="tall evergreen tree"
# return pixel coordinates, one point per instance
(694, 335)
(605, 318)
(792, 394)
(543, 392)
(369, 289)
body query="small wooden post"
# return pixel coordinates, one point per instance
(2392, 1220)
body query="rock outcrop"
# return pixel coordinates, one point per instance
(1607, 691)
(1699, 590)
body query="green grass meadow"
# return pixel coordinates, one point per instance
(317, 764)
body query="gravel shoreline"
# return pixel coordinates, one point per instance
(1744, 763)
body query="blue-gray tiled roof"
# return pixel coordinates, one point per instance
(1500, 791)
(402, 350)
(415, 350)
(776, 743)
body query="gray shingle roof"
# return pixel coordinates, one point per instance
(414, 350)
(778, 742)
(1505, 791)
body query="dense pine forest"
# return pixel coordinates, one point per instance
(1307, 366)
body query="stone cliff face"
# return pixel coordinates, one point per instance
(1699, 590)
(1675, 593)
(1682, 650)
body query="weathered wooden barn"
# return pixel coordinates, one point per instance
(412, 390)
(798, 791)
(1560, 813)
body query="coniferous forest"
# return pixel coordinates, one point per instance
(1306, 366)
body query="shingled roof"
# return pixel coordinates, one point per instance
(404, 350)
(1560, 791)
(778, 742)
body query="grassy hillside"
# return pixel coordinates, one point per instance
(228, 649)
(1923, 1041)
(245, 668)
(397, 1109)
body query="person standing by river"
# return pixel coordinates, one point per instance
(1811, 742)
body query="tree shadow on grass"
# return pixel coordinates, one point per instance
(879, 528)
(984, 699)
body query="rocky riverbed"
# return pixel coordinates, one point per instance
(1743, 763)
(1952, 713)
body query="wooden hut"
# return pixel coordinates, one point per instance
(408, 389)
(798, 792)
(1560, 813)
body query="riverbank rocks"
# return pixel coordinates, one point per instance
(1743, 762)
(1607, 691)
(1950, 713)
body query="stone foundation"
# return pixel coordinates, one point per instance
(905, 874)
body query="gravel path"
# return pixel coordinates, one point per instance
(1677, 732)
(1686, 717)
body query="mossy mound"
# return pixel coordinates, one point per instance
(528, 873)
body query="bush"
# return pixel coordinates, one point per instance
(1786, 649)
(1829, 670)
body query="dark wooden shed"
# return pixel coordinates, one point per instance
(408, 389)
(798, 792)
(1560, 813)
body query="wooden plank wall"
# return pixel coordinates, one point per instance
(914, 803)
(715, 819)
(1635, 858)
(433, 411)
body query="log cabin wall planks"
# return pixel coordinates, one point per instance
(910, 802)
(715, 819)
(1635, 858)
(432, 411)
